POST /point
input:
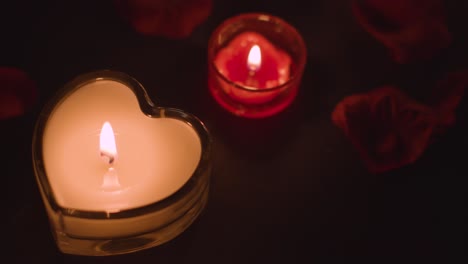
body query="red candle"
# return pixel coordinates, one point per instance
(250, 60)
(252, 75)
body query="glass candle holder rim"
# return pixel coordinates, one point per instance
(267, 18)
(148, 108)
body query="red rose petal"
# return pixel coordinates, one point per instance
(391, 130)
(448, 93)
(411, 29)
(387, 128)
(18, 93)
(169, 18)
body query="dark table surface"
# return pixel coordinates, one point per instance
(284, 189)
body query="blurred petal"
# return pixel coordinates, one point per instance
(387, 128)
(168, 18)
(449, 91)
(18, 93)
(411, 29)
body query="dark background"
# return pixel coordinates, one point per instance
(285, 189)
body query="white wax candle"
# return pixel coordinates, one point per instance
(156, 156)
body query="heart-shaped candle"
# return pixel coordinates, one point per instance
(111, 166)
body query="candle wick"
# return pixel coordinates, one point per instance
(109, 157)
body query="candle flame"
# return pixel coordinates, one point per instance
(254, 60)
(107, 143)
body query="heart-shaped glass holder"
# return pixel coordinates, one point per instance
(139, 223)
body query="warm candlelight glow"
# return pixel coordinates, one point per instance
(99, 202)
(107, 143)
(254, 60)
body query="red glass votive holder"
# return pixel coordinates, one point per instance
(256, 62)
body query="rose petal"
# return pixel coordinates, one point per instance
(448, 93)
(387, 128)
(18, 93)
(411, 29)
(168, 18)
